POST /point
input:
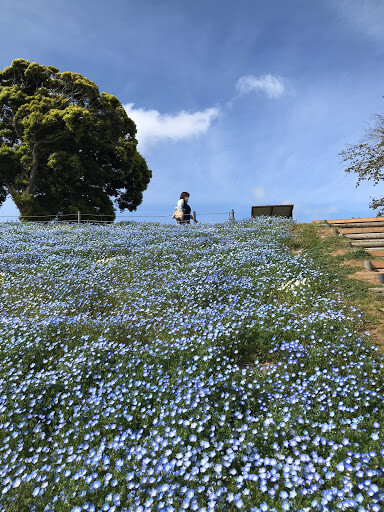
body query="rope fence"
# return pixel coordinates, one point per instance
(81, 218)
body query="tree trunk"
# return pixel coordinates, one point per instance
(35, 165)
(35, 162)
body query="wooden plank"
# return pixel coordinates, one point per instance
(365, 236)
(367, 219)
(356, 225)
(376, 253)
(368, 244)
(272, 210)
(346, 231)
(284, 210)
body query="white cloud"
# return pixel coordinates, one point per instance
(153, 126)
(258, 192)
(271, 85)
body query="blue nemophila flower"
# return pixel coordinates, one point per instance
(119, 384)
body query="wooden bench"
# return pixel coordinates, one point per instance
(274, 210)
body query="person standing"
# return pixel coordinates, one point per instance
(182, 205)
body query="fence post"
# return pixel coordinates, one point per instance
(79, 217)
(194, 217)
(232, 215)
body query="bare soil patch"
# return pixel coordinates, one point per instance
(365, 275)
(339, 252)
(354, 263)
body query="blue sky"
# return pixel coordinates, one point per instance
(239, 103)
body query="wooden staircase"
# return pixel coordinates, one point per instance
(367, 233)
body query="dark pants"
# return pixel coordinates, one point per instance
(185, 220)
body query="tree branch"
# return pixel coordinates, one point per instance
(16, 129)
(51, 140)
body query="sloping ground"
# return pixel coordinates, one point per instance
(122, 382)
(358, 235)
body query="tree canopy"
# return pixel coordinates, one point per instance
(64, 146)
(366, 159)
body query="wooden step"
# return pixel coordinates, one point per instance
(356, 225)
(365, 236)
(368, 244)
(353, 221)
(347, 231)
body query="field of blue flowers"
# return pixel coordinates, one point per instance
(149, 367)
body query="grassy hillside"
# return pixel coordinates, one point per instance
(343, 262)
(147, 367)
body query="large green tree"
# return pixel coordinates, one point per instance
(366, 159)
(64, 146)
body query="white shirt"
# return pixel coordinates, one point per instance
(180, 204)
